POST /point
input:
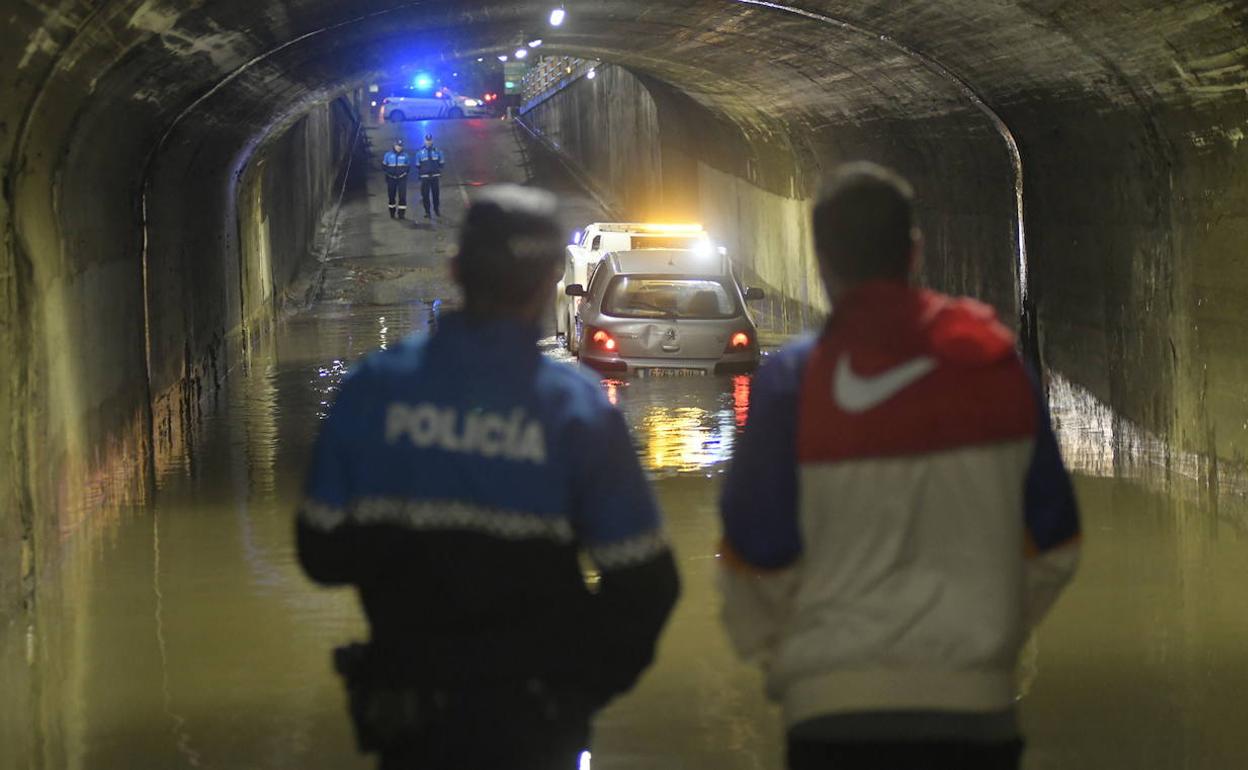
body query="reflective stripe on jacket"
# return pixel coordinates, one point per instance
(456, 482)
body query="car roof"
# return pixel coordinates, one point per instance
(645, 228)
(667, 262)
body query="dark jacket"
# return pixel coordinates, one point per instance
(455, 482)
(397, 164)
(429, 162)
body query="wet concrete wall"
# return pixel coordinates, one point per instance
(1135, 217)
(114, 341)
(229, 242)
(1138, 227)
(659, 155)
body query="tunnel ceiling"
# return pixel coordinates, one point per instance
(145, 63)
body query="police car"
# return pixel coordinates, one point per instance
(467, 106)
(666, 311)
(414, 104)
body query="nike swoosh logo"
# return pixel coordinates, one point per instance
(856, 394)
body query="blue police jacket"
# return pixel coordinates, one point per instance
(397, 163)
(455, 481)
(429, 161)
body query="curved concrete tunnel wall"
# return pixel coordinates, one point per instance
(653, 153)
(1130, 120)
(142, 251)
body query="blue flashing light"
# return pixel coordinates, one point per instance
(423, 82)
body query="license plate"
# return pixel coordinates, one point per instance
(671, 372)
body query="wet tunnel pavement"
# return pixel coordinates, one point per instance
(183, 634)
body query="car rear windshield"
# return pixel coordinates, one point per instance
(639, 296)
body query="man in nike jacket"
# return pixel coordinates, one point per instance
(897, 517)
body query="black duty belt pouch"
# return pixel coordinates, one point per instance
(383, 715)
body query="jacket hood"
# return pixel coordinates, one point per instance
(886, 315)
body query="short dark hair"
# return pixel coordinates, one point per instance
(864, 222)
(510, 243)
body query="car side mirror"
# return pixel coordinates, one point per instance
(575, 290)
(754, 293)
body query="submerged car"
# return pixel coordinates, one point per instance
(600, 238)
(654, 312)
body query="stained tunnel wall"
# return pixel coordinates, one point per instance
(1135, 220)
(656, 154)
(118, 346)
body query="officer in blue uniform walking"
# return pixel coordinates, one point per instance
(397, 164)
(429, 162)
(453, 484)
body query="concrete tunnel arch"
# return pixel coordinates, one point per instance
(1128, 122)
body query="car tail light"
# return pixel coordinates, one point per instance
(602, 340)
(739, 342)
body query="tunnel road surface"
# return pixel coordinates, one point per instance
(183, 634)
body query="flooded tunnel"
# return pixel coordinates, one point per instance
(196, 249)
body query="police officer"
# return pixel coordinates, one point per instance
(429, 161)
(397, 164)
(454, 483)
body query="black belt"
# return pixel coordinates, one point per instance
(387, 712)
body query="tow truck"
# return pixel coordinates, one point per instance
(599, 238)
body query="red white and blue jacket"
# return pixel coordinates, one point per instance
(897, 516)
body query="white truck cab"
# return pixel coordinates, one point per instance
(599, 238)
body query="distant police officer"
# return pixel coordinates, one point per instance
(429, 161)
(397, 164)
(454, 483)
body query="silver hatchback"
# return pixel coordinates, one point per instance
(665, 312)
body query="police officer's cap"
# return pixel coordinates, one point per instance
(510, 242)
(398, 141)
(512, 224)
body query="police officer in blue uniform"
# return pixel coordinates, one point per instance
(429, 160)
(397, 164)
(453, 484)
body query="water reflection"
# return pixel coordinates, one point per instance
(683, 424)
(185, 635)
(326, 383)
